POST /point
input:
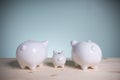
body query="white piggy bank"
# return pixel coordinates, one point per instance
(86, 54)
(31, 53)
(59, 59)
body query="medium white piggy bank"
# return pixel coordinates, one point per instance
(31, 53)
(86, 54)
(59, 59)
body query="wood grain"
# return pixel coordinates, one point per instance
(108, 69)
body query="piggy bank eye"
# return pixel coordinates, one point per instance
(59, 53)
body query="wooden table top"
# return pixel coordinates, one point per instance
(108, 69)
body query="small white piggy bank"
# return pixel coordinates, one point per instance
(59, 59)
(86, 54)
(31, 53)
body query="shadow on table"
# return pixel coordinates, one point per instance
(70, 63)
(50, 64)
(13, 64)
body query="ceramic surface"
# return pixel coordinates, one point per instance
(31, 53)
(86, 54)
(59, 59)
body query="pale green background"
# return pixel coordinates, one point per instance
(59, 22)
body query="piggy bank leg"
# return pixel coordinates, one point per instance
(22, 65)
(95, 67)
(62, 66)
(76, 65)
(32, 67)
(84, 67)
(41, 65)
(55, 66)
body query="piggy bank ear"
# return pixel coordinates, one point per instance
(74, 42)
(23, 47)
(45, 43)
(62, 52)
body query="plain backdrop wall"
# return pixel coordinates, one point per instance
(59, 22)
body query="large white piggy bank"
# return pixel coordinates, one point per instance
(86, 54)
(31, 53)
